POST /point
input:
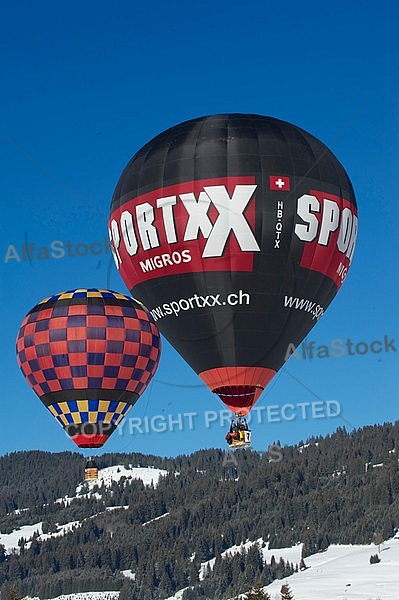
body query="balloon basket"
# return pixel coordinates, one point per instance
(240, 444)
(239, 439)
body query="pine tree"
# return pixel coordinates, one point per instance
(378, 539)
(374, 559)
(257, 593)
(302, 565)
(13, 594)
(286, 593)
(2, 553)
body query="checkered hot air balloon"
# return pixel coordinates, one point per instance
(88, 354)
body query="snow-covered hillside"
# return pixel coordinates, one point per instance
(106, 477)
(148, 475)
(345, 572)
(339, 573)
(292, 555)
(10, 540)
(84, 596)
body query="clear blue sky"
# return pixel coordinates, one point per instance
(85, 84)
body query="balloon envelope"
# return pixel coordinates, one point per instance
(88, 354)
(236, 231)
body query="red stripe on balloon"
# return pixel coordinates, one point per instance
(87, 440)
(238, 387)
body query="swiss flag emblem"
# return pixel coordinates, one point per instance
(279, 182)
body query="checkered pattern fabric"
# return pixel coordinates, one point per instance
(76, 412)
(88, 354)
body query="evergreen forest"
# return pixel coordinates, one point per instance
(150, 541)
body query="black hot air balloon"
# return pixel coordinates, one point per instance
(88, 354)
(236, 231)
